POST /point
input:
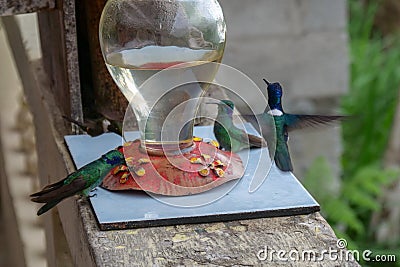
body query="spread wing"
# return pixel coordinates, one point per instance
(294, 122)
(264, 124)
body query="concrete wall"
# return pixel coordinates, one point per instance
(302, 44)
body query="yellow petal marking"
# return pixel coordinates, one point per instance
(140, 171)
(204, 172)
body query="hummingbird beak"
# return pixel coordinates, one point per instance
(267, 82)
(212, 103)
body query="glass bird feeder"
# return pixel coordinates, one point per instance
(163, 55)
(141, 38)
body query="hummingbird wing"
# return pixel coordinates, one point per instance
(294, 121)
(49, 188)
(55, 193)
(265, 125)
(60, 190)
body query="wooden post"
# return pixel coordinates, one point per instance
(14, 7)
(99, 92)
(44, 134)
(60, 56)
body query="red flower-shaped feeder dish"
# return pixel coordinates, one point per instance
(202, 169)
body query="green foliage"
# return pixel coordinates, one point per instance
(349, 204)
(375, 80)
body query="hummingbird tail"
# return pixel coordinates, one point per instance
(256, 142)
(48, 206)
(83, 127)
(283, 161)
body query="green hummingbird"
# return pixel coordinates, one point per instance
(80, 182)
(284, 123)
(96, 127)
(228, 135)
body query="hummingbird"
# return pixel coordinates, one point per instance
(97, 126)
(228, 135)
(81, 182)
(284, 123)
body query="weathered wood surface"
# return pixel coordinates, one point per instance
(51, 164)
(218, 244)
(66, 241)
(14, 7)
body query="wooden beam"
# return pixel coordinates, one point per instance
(60, 56)
(99, 93)
(14, 7)
(66, 233)
(45, 144)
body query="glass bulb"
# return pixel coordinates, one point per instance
(160, 54)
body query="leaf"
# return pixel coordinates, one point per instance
(320, 181)
(339, 211)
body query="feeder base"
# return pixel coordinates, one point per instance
(203, 168)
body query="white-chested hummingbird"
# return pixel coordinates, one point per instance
(284, 123)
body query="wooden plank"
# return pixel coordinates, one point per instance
(50, 128)
(54, 237)
(14, 7)
(100, 93)
(60, 56)
(217, 244)
(51, 37)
